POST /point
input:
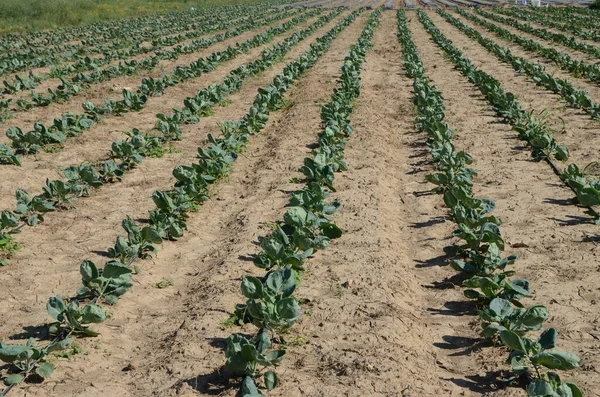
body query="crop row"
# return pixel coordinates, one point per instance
(84, 63)
(131, 67)
(105, 31)
(585, 17)
(70, 124)
(576, 98)
(119, 49)
(71, 87)
(540, 136)
(564, 61)
(125, 155)
(478, 255)
(567, 41)
(74, 315)
(573, 27)
(271, 304)
(47, 54)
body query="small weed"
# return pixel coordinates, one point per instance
(8, 247)
(164, 284)
(159, 152)
(68, 353)
(297, 340)
(52, 148)
(337, 289)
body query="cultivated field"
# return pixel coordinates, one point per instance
(328, 198)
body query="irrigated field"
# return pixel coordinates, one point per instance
(314, 199)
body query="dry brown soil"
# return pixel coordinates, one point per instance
(385, 314)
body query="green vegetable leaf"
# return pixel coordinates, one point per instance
(271, 380)
(252, 288)
(93, 313)
(556, 359)
(13, 379)
(45, 369)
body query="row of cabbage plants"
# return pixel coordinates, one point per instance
(70, 87)
(126, 155)
(102, 286)
(574, 27)
(101, 38)
(478, 256)
(70, 124)
(558, 38)
(576, 98)
(539, 135)
(307, 227)
(577, 68)
(80, 57)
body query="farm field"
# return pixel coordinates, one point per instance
(318, 198)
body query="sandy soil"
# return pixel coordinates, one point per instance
(528, 196)
(575, 129)
(539, 25)
(101, 135)
(385, 314)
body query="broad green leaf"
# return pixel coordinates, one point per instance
(548, 338)
(114, 270)
(150, 235)
(248, 352)
(513, 341)
(563, 391)
(492, 329)
(574, 389)
(56, 306)
(252, 288)
(288, 309)
(248, 386)
(9, 353)
(88, 270)
(534, 316)
(274, 357)
(562, 153)
(272, 247)
(296, 216)
(540, 388)
(271, 380)
(45, 369)
(93, 313)
(556, 359)
(60, 345)
(13, 379)
(501, 307)
(331, 230)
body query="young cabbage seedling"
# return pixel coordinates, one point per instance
(28, 359)
(247, 356)
(270, 302)
(528, 357)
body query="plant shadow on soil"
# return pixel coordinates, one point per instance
(38, 332)
(464, 346)
(213, 384)
(433, 221)
(103, 254)
(218, 381)
(573, 220)
(477, 383)
(455, 309)
(440, 261)
(561, 202)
